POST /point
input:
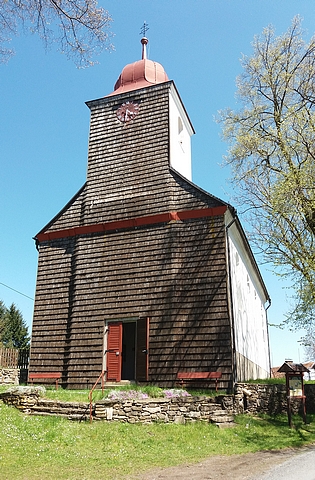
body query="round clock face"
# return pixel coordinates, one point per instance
(127, 111)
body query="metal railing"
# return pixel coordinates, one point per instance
(102, 376)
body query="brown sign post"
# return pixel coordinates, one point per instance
(295, 386)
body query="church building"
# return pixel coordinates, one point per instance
(143, 274)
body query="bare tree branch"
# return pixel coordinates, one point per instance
(80, 27)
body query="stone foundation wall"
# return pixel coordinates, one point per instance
(270, 399)
(248, 398)
(178, 410)
(9, 376)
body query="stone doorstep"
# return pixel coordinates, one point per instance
(108, 385)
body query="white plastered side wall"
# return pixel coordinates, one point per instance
(180, 134)
(249, 309)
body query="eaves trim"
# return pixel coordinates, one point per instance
(131, 223)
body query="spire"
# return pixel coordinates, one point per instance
(142, 73)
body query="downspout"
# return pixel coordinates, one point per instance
(230, 303)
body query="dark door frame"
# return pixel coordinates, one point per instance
(113, 348)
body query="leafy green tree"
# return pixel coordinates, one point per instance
(308, 341)
(15, 332)
(272, 157)
(80, 27)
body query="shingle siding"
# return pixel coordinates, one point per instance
(174, 273)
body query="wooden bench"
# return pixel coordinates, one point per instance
(186, 376)
(44, 375)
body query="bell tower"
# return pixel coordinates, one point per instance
(137, 133)
(144, 73)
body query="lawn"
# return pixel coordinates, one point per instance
(150, 390)
(50, 448)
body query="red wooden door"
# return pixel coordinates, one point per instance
(114, 350)
(142, 354)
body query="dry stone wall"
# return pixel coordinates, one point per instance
(248, 398)
(9, 376)
(270, 399)
(175, 410)
(30, 400)
(178, 410)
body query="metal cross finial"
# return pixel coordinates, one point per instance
(144, 29)
(144, 40)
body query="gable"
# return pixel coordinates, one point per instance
(177, 199)
(70, 215)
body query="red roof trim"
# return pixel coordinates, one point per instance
(132, 223)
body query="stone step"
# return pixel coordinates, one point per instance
(221, 417)
(69, 416)
(56, 411)
(219, 413)
(108, 385)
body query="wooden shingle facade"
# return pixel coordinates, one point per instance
(135, 274)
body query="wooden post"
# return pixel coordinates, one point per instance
(288, 400)
(294, 385)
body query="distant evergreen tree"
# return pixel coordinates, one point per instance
(15, 331)
(3, 311)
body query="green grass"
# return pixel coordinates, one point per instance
(274, 381)
(36, 448)
(83, 395)
(267, 381)
(206, 392)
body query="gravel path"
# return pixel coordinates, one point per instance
(249, 466)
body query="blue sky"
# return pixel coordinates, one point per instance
(45, 122)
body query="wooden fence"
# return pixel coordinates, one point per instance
(13, 358)
(9, 357)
